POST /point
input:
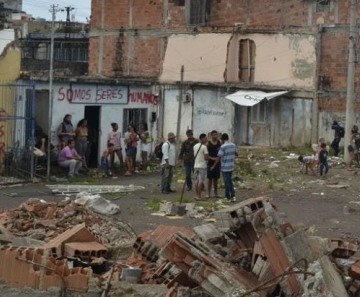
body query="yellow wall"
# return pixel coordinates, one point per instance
(9, 73)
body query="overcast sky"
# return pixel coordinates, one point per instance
(40, 8)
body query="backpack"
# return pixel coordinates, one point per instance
(158, 150)
(341, 132)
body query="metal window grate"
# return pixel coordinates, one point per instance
(135, 117)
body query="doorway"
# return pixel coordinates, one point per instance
(92, 114)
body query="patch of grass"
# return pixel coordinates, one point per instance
(185, 200)
(154, 204)
(206, 204)
(270, 184)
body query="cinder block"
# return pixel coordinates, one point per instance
(208, 232)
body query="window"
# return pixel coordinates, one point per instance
(258, 112)
(323, 6)
(135, 117)
(179, 2)
(198, 12)
(246, 60)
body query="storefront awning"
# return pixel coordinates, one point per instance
(251, 97)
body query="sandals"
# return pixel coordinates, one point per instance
(199, 199)
(127, 173)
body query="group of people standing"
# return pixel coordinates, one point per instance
(74, 147)
(202, 159)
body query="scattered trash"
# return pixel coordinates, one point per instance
(97, 203)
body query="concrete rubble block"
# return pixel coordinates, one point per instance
(354, 206)
(354, 270)
(208, 232)
(342, 249)
(279, 261)
(85, 250)
(332, 279)
(79, 233)
(298, 247)
(216, 275)
(234, 216)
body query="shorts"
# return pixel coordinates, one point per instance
(350, 148)
(130, 151)
(200, 174)
(213, 174)
(145, 147)
(104, 164)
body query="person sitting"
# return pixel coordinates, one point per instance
(307, 162)
(68, 157)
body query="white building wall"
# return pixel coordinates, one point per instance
(212, 112)
(131, 98)
(207, 111)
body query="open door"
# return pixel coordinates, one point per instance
(92, 114)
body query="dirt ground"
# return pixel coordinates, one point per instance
(300, 198)
(321, 206)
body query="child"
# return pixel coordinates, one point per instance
(323, 155)
(105, 160)
(307, 162)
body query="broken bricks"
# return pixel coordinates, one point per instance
(248, 251)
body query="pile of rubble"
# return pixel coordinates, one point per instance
(37, 219)
(248, 251)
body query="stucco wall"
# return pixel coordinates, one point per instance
(203, 57)
(285, 60)
(212, 112)
(138, 98)
(171, 104)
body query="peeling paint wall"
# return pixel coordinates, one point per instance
(207, 111)
(284, 60)
(288, 123)
(212, 112)
(171, 104)
(325, 121)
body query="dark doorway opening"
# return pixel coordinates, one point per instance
(92, 114)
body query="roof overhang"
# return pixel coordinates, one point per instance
(252, 97)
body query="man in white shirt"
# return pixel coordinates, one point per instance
(168, 163)
(200, 168)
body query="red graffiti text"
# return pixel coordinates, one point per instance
(143, 98)
(91, 95)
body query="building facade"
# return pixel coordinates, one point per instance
(296, 46)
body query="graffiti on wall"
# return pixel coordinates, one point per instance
(327, 120)
(86, 94)
(210, 112)
(143, 98)
(2, 132)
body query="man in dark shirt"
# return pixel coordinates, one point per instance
(213, 174)
(324, 166)
(187, 157)
(337, 138)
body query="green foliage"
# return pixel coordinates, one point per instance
(154, 204)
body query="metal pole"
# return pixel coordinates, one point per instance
(350, 110)
(53, 11)
(179, 108)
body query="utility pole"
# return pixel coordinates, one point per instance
(181, 91)
(350, 108)
(68, 30)
(54, 9)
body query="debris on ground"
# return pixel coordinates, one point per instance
(247, 250)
